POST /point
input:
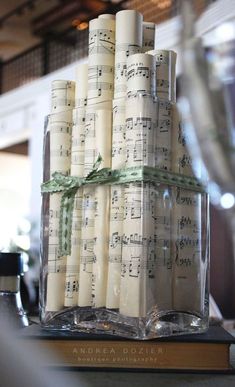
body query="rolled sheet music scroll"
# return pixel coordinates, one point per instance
(186, 231)
(141, 74)
(101, 60)
(77, 169)
(107, 16)
(94, 122)
(138, 259)
(149, 30)
(81, 76)
(129, 39)
(162, 209)
(165, 62)
(163, 152)
(60, 128)
(116, 206)
(101, 216)
(88, 208)
(62, 96)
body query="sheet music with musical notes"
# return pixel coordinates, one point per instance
(163, 267)
(96, 120)
(136, 297)
(141, 74)
(116, 206)
(77, 169)
(149, 31)
(163, 273)
(163, 152)
(101, 60)
(141, 128)
(62, 96)
(101, 216)
(88, 208)
(129, 39)
(165, 69)
(138, 251)
(186, 230)
(60, 127)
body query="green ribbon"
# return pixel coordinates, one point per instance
(68, 186)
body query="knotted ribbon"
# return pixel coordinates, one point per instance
(68, 186)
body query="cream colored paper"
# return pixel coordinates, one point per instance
(101, 219)
(165, 68)
(116, 206)
(77, 169)
(141, 127)
(91, 152)
(118, 136)
(88, 207)
(81, 76)
(138, 261)
(115, 246)
(60, 126)
(62, 96)
(129, 39)
(186, 232)
(78, 141)
(162, 267)
(162, 209)
(141, 74)
(101, 60)
(148, 36)
(106, 16)
(163, 153)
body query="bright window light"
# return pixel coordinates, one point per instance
(227, 200)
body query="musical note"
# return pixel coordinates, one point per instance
(148, 36)
(101, 41)
(62, 95)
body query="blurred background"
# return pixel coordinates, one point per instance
(44, 40)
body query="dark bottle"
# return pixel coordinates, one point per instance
(11, 309)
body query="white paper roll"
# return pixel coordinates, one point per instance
(62, 96)
(137, 267)
(165, 69)
(140, 135)
(96, 121)
(81, 77)
(118, 137)
(138, 259)
(141, 74)
(181, 159)
(59, 126)
(186, 231)
(101, 60)
(78, 142)
(163, 151)
(115, 246)
(116, 206)
(162, 266)
(129, 27)
(77, 169)
(101, 219)
(73, 260)
(148, 36)
(106, 16)
(129, 36)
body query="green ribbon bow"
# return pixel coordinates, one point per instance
(69, 185)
